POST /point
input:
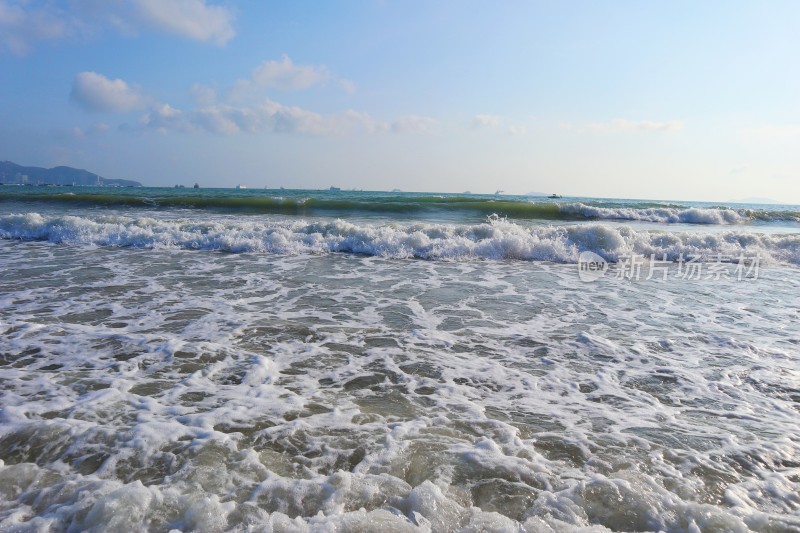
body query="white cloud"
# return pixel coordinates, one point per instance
(283, 75)
(486, 121)
(619, 125)
(95, 92)
(494, 122)
(298, 120)
(347, 86)
(413, 124)
(95, 129)
(24, 23)
(163, 118)
(190, 18)
(268, 116)
(203, 94)
(231, 116)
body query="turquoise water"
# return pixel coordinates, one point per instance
(424, 206)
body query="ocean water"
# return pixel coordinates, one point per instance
(219, 360)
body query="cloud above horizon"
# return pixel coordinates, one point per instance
(25, 23)
(624, 125)
(496, 122)
(189, 18)
(271, 116)
(229, 115)
(285, 75)
(267, 116)
(95, 92)
(414, 124)
(22, 24)
(94, 129)
(486, 121)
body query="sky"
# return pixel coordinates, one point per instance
(680, 100)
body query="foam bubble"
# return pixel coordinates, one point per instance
(162, 388)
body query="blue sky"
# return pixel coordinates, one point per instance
(670, 100)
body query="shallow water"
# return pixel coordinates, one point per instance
(163, 387)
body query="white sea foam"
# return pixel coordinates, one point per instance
(161, 388)
(495, 239)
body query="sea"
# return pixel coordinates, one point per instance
(177, 359)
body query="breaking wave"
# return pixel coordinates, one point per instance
(669, 215)
(495, 239)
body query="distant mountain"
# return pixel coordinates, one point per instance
(14, 173)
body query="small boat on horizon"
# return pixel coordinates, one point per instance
(241, 186)
(555, 196)
(335, 188)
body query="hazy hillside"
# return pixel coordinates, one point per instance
(13, 173)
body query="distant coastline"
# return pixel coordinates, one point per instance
(14, 174)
